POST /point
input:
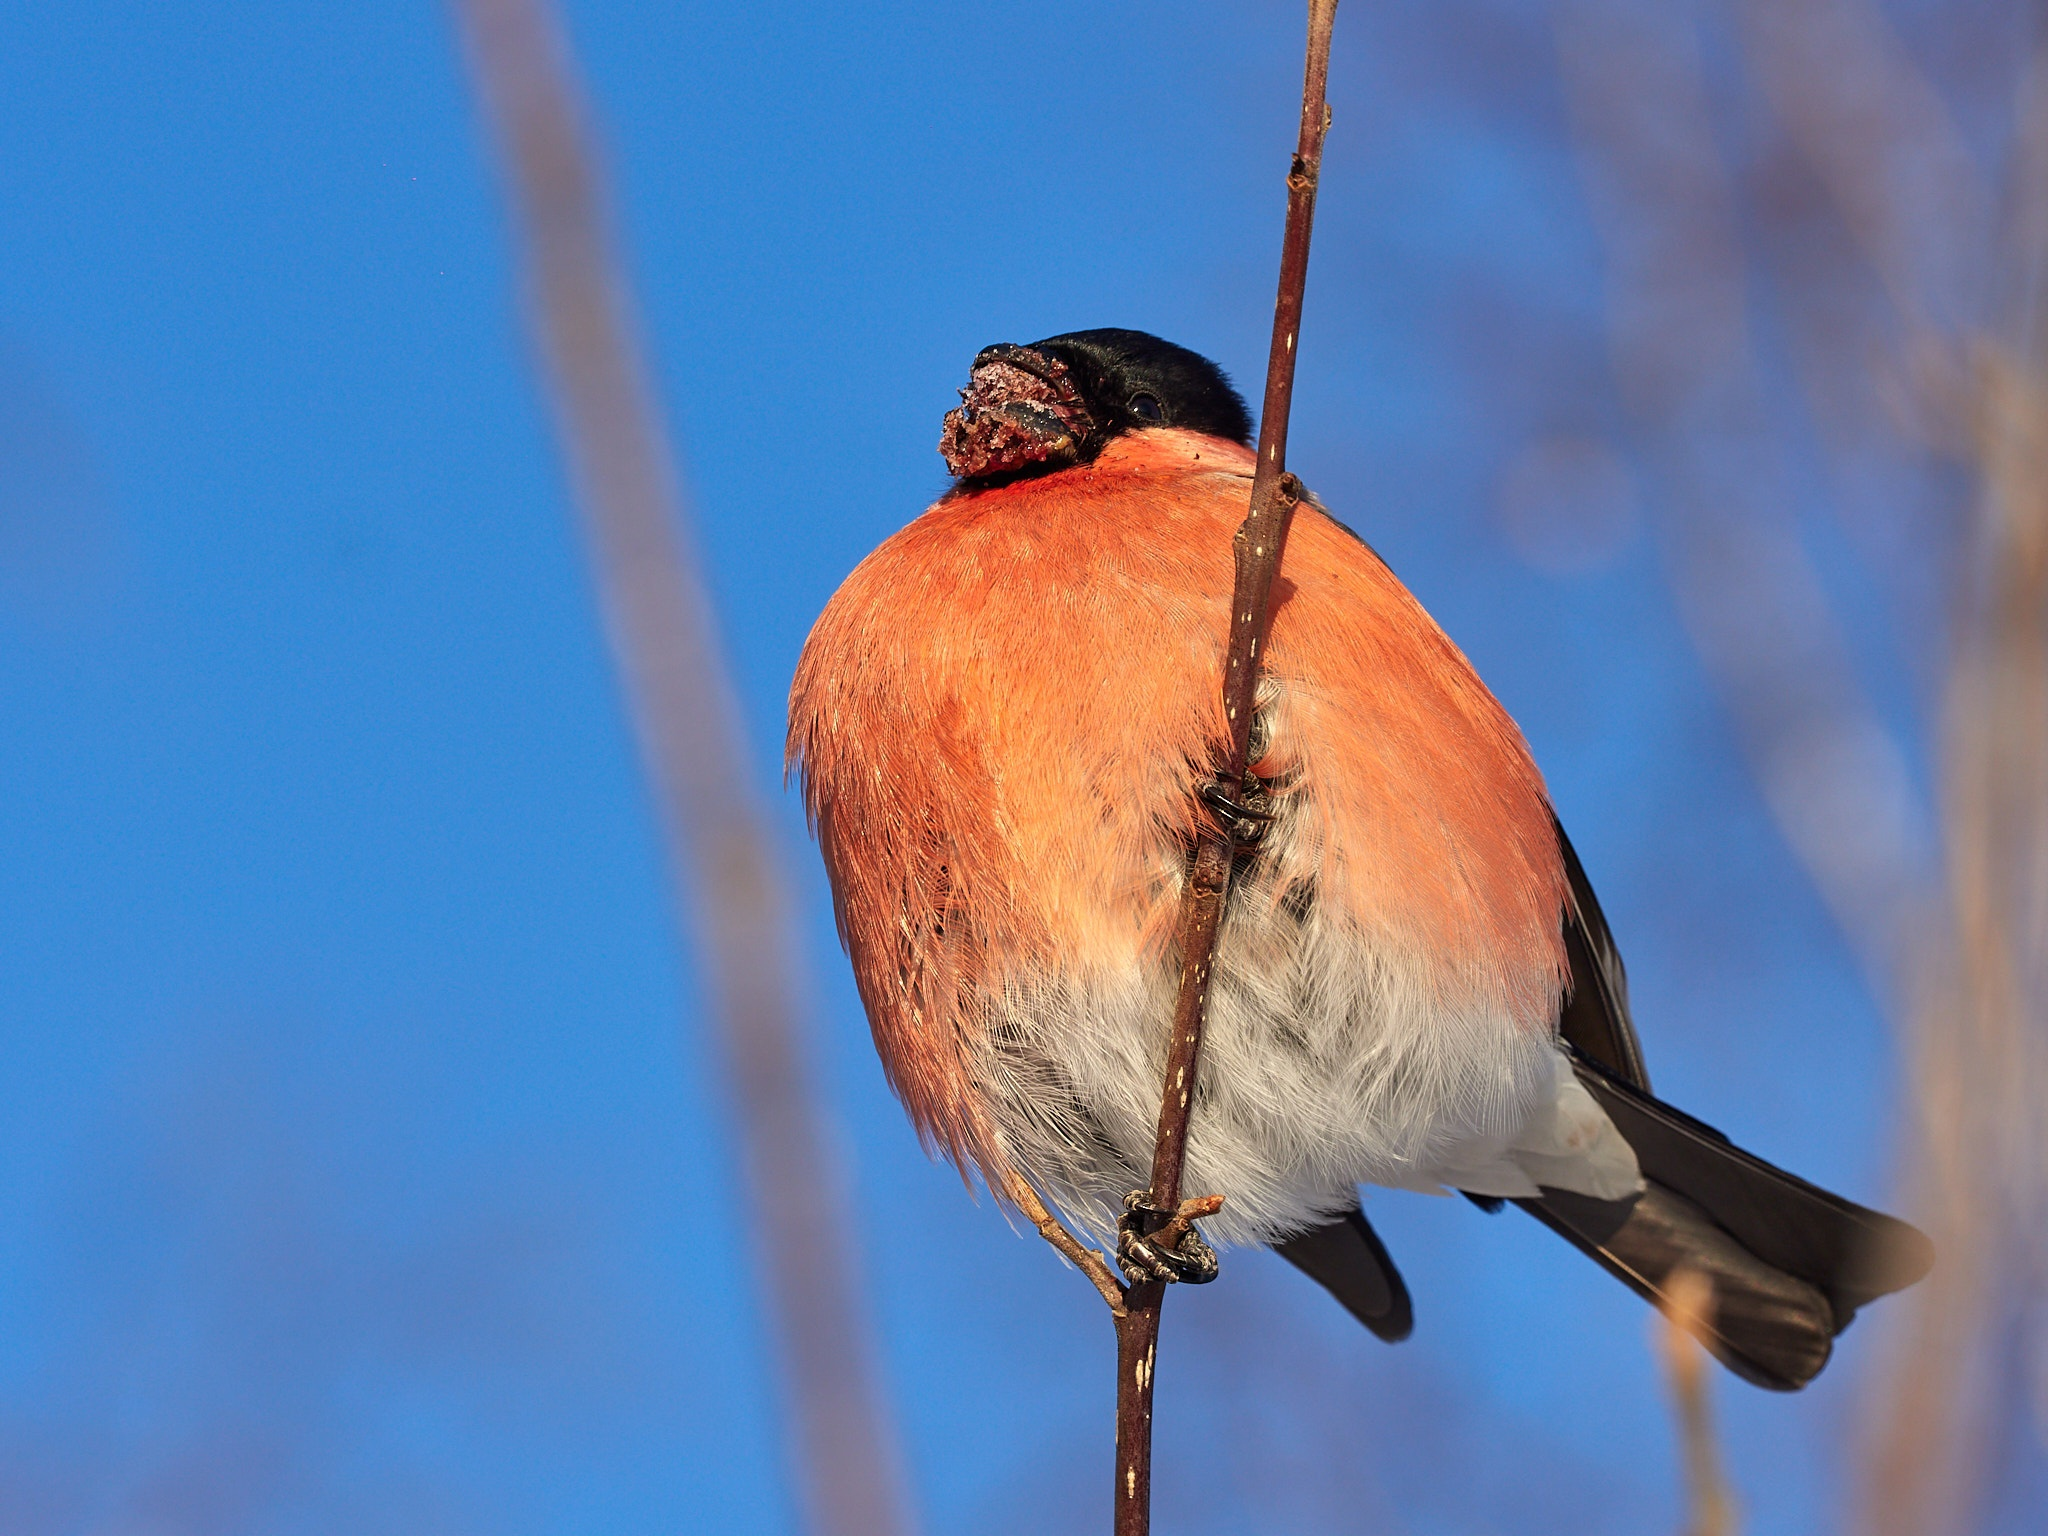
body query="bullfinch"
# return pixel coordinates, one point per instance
(999, 724)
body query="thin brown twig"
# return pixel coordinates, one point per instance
(1258, 547)
(1079, 1254)
(1688, 1312)
(1182, 1221)
(674, 676)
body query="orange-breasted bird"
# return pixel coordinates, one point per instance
(1000, 722)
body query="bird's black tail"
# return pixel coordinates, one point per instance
(1789, 1262)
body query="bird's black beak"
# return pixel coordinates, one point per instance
(1020, 411)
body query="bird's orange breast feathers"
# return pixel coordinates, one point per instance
(1000, 717)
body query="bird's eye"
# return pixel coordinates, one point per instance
(1148, 407)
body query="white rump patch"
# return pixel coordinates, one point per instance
(1568, 1143)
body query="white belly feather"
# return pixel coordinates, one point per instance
(1331, 1058)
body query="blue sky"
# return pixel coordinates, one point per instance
(365, 1165)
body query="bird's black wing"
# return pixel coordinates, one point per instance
(1595, 1021)
(1347, 1259)
(1789, 1262)
(1851, 1253)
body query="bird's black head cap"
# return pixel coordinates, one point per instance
(1060, 401)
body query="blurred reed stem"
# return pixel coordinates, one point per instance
(676, 685)
(1689, 1305)
(1956, 947)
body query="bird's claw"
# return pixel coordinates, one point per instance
(1184, 1257)
(1246, 822)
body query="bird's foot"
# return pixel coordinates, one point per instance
(1155, 1244)
(1243, 810)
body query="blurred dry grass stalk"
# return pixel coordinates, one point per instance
(1710, 1511)
(675, 680)
(1917, 308)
